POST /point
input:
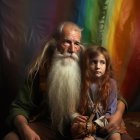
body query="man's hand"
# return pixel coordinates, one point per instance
(80, 118)
(80, 128)
(26, 133)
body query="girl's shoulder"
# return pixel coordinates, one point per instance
(113, 82)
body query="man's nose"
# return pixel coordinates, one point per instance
(72, 48)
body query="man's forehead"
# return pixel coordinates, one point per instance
(71, 34)
(69, 28)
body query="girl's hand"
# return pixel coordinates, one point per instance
(114, 122)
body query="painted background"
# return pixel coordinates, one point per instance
(24, 24)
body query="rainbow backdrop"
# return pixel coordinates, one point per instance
(115, 24)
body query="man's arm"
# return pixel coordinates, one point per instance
(22, 105)
(20, 111)
(26, 133)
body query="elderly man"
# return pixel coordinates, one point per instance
(51, 93)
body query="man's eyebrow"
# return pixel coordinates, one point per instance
(75, 41)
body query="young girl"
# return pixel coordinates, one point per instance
(99, 90)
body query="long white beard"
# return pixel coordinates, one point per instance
(63, 88)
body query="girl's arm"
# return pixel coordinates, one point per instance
(115, 118)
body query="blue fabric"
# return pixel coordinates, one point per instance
(112, 100)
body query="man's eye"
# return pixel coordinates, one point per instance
(77, 43)
(66, 42)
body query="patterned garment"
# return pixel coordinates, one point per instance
(97, 109)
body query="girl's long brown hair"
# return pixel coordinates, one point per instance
(87, 77)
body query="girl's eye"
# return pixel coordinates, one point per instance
(93, 61)
(96, 62)
(102, 62)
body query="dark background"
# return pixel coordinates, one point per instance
(24, 24)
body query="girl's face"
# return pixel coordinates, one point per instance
(98, 66)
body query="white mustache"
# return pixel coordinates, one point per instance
(68, 55)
